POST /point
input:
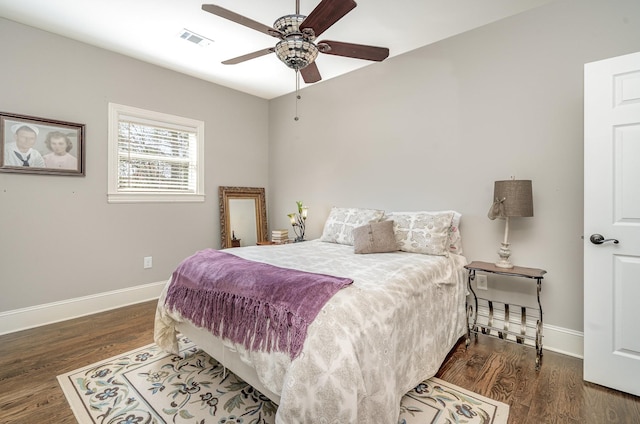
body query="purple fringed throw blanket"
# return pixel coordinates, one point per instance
(261, 306)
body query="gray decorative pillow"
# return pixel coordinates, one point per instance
(377, 237)
(339, 226)
(422, 232)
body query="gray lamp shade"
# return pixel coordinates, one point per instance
(512, 198)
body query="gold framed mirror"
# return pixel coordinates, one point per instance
(243, 216)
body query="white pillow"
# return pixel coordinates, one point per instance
(338, 228)
(422, 232)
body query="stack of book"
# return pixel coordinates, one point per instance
(279, 236)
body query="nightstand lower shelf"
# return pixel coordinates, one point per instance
(510, 322)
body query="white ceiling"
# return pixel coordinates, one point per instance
(148, 30)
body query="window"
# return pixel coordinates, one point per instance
(154, 157)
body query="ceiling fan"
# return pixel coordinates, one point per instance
(297, 33)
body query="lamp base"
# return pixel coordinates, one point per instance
(504, 254)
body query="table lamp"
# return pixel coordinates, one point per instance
(512, 198)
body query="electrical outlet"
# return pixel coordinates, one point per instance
(148, 262)
(481, 282)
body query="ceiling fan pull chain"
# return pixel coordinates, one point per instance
(297, 94)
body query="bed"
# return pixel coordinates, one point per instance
(373, 340)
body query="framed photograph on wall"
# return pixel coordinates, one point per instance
(34, 145)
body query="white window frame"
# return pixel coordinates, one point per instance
(115, 195)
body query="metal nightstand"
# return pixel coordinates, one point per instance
(498, 312)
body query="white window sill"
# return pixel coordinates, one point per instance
(149, 198)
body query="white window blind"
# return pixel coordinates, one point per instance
(156, 156)
(151, 158)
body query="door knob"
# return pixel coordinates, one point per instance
(599, 239)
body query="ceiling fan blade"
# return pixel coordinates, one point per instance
(249, 56)
(310, 73)
(327, 13)
(239, 19)
(358, 51)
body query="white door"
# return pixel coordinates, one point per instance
(612, 210)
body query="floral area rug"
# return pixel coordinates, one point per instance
(148, 385)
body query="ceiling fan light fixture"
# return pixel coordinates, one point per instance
(296, 52)
(289, 24)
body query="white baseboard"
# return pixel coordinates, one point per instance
(556, 339)
(35, 316)
(563, 340)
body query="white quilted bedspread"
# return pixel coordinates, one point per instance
(370, 344)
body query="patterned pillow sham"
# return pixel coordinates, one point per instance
(376, 237)
(338, 228)
(422, 232)
(455, 238)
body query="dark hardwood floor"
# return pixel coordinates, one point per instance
(30, 360)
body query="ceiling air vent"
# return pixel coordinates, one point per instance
(191, 36)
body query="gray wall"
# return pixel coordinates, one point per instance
(431, 129)
(60, 239)
(434, 128)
